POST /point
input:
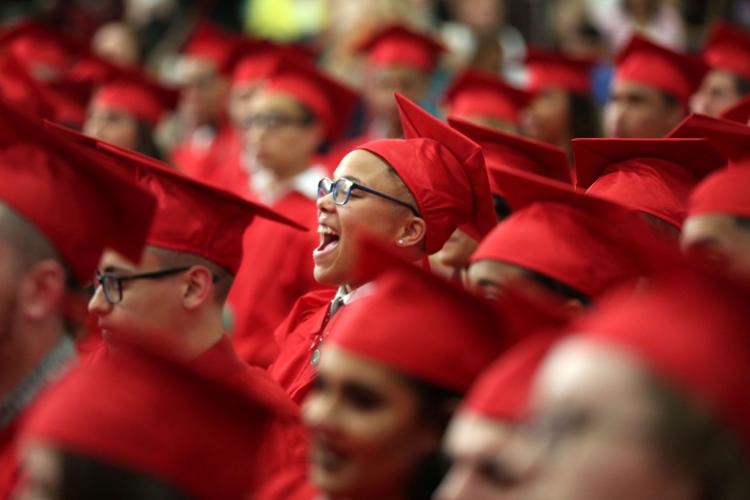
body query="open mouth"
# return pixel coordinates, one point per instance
(329, 240)
(328, 458)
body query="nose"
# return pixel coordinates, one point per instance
(318, 411)
(325, 203)
(98, 304)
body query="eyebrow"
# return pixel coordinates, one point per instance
(352, 178)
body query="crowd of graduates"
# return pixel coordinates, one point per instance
(256, 280)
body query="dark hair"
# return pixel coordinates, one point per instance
(146, 144)
(742, 222)
(742, 85)
(703, 449)
(502, 210)
(86, 478)
(436, 408)
(558, 287)
(584, 116)
(669, 100)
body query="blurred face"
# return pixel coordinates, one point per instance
(113, 125)
(280, 136)
(149, 308)
(366, 434)
(548, 117)
(491, 122)
(240, 97)
(43, 470)
(117, 43)
(474, 445)
(717, 93)
(636, 110)
(489, 277)
(720, 239)
(203, 91)
(383, 81)
(457, 250)
(592, 420)
(337, 224)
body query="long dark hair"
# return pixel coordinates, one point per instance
(436, 408)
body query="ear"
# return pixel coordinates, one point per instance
(41, 291)
(412, 233)
(199, 287)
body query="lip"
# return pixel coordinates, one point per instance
(321, 253)
(327, 457)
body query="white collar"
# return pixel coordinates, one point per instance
(356, 294)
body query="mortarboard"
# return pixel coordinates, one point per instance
(443, 170)
(728, 48)
(553, 69)
(478, 93)
(397, 45)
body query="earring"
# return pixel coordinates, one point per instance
(401, 242)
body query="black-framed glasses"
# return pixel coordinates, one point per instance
(112, 283)
(341, 189)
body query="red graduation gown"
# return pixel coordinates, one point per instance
(297, 338)
(285, 445)
(9, 463)
(276, 269)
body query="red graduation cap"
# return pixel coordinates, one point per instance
(34, 43)
(654, 176)
(81, 204)
(69, 100)
(192, 216)
(397, 45)
(127, 89)
(584, 242)
(210, 42)
(441, 334)
(739, 112)
(254, 60)
(329, 100)
(728, 48)
(691, 331)
(147, 414)
(501, 392)
(20, 88)
(508, 151)
(723, 192)
(647, 63)
(727, 136)
(443, 170)
(479, 93)
(553, 69)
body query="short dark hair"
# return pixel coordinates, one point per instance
(87, 478)
(584, 118)
(702, 448)
(223, 277)
(742, 222)
(558, 287)
(742, 85)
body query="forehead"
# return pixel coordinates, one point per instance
(586, 373)
(396, 73)
(366, 168)
(472, 434)
(113, 259)
(630, 88)
(495, 271)
(337, 364)
(698, 227)
(269, 100)
(192, 67)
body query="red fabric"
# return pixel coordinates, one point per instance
(133, 98)
(109, 410)
(727, 136)
(189, 212)
(654, 176)
(397, 45)
(478, 93)
(444, 171)
(329, 100)
(82, 206)
(724, 192)
(556, 70)
(332, 159)
(10, 467)
(501, 393)
(509, 151)
(585, 242)
(210, 42)
(728, 48)
(740, 112)
(34, 43)
(647, 63)
(276, 270)
(418, 337)
(691, 331)
(297, 337)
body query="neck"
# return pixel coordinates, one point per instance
(200, 333)
(23, 350)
